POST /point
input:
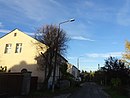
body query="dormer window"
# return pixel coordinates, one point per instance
(15, 34)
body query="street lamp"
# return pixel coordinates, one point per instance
(70, 20)
(78, 61)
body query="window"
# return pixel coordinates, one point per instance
(18, 48)
(8, 48)
(15, 34)
(73, 73)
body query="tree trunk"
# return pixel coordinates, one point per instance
(45, 83)
(54, 72)
(50, 68)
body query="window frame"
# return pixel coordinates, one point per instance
(8, 48)
(18, 48)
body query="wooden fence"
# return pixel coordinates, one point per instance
(12, 84)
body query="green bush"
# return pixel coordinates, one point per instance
(115, 82)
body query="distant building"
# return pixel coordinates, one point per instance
(60, 61)
(73, 70)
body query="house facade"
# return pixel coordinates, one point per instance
(73, 70)
(18, 51)
(60, 63)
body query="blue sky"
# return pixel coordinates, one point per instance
(100, 29)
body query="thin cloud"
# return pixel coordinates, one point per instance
(72, 57)
(123, 14)
(81, 38)
(55, 2)
(1, 24)
(7, 31)
(29, 33)
(89, 4)
(38, 10)
(86, 60)
(104, 55)
(33, 11)
(99, 11)
(4, 31)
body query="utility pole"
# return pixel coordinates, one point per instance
(98, 66)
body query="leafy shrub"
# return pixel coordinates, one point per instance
(115, 82)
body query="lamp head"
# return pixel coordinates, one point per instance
(71, 20)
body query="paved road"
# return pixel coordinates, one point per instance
(89, 90)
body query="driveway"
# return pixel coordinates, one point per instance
(89, 90)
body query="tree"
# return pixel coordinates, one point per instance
(115, 69)
(126, 55)
(56, 39)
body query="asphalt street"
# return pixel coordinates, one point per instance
(89, 90)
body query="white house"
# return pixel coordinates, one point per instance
(73, 70)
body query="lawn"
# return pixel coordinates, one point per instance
(116, 93)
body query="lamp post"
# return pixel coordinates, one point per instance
(70, 20)
(78, 61)
(53, 83)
